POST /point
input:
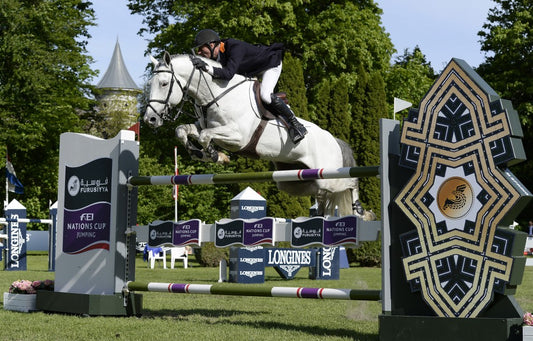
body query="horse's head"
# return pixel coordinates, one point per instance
(163, 93)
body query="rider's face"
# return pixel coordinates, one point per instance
(204, 51)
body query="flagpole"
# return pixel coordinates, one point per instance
(7, 187)
(7, 195)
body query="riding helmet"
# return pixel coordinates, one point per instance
(205, 36)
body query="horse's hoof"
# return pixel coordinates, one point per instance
(369, 216)
(358, 208)
(223, 159)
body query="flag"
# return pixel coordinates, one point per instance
(137, 129)
(14, 185)
(400, 104)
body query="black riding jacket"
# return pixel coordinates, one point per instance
(246, 59)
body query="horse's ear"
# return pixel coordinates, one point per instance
(166, 58)
(154, 61)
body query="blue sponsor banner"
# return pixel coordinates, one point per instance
(340, 231)
(327, 232)
(16, 238)
(307, 232)
(287, 262)
(87, 211)
(327, 264)
(229, 233)
(171, 233)
(186, 232)
(247, 265)
(248, 209)
(258, 232)
(160, 233)
(250, 232)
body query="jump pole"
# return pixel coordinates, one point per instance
(4, 221)
(277, 176)
(287, 292)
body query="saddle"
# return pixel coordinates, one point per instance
(249, 149)
(265, 114)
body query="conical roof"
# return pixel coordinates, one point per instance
(248, 194)
(117, 75)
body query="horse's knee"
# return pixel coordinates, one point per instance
(204, 138)
(181, 134)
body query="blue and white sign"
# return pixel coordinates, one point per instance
(16, 237)
(247, 265)
(287, 262)
(327, 265)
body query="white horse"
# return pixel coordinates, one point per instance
(228, 115)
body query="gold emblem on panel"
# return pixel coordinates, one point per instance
(455, 197)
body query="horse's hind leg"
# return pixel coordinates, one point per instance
(358, 207)
(356, 204)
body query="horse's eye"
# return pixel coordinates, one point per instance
(164, 84)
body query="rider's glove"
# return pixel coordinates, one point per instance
(201, 65)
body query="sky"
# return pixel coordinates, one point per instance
(443, 29)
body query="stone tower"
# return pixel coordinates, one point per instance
(117, 96)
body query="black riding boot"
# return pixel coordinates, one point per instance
(296, 130)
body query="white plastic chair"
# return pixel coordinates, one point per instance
(178, 253)
(153, 256)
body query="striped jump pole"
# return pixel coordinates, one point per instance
(289, 292)
(277, 176)
(27, 220)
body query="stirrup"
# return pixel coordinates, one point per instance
(296, 134)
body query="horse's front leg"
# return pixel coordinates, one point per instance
(184, 131)
(205, 154)
(227, 136)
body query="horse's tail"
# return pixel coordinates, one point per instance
(347, 156)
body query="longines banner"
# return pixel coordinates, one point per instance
(16, 232)
(87, 215)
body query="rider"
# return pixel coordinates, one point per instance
(248, 60)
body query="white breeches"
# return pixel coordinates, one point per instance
(269, 81)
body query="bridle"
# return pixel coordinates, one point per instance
(165, 112)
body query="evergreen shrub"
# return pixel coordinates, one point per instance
(210, 256)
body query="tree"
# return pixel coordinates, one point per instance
(332, 108)
(292, 82)
(328, 38)
(508, 67)
(409, 78)
(367, 111)
(44, 84)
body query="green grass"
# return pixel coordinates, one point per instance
(206, 317)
